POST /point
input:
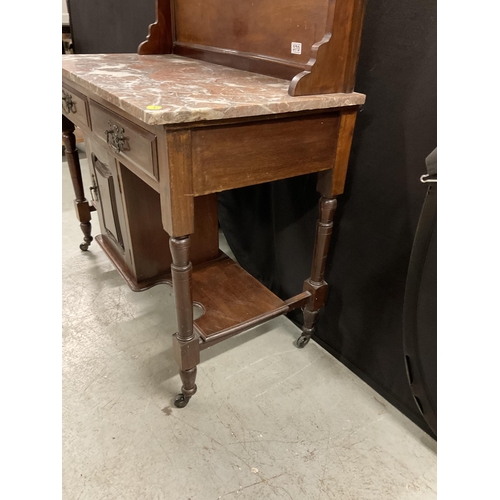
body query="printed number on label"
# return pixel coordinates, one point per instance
(296, 48)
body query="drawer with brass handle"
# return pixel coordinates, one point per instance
(75, 106)
(115, 137)
(132, 143)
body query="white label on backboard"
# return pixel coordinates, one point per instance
(296, 48)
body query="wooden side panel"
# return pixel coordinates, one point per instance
(228, 157)
(332, 66)
(150, 242)
(159, 39)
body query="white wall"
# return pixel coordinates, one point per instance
(65, 16)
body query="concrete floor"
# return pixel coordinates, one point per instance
(269, 421)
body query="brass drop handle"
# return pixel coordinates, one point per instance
(115, 137)
(68, 103)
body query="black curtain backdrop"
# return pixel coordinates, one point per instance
(109, 26)
(270, 228)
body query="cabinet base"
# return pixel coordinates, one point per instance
(117, 260)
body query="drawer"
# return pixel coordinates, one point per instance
(75, 106)
(126, 139)
(268, 150)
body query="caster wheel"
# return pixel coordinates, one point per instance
(181, 401)
(302, 341)
(84, 247)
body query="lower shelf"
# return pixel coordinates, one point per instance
(231, 299)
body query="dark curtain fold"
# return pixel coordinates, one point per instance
(270, 228)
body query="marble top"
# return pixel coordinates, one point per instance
(169, 89)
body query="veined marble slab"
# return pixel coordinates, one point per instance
(168, 89)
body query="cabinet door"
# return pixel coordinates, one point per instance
(107, 198)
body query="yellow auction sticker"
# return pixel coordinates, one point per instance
(153, 107)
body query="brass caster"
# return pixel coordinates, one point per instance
(84, 247)
(181, 401)
(302, 341)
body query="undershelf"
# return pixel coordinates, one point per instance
(231, 299)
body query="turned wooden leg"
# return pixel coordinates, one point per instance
(82, 206)
(316, 285)
(185, 341)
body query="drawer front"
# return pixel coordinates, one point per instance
(75, 106)
(125, 139)
(265, 151)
